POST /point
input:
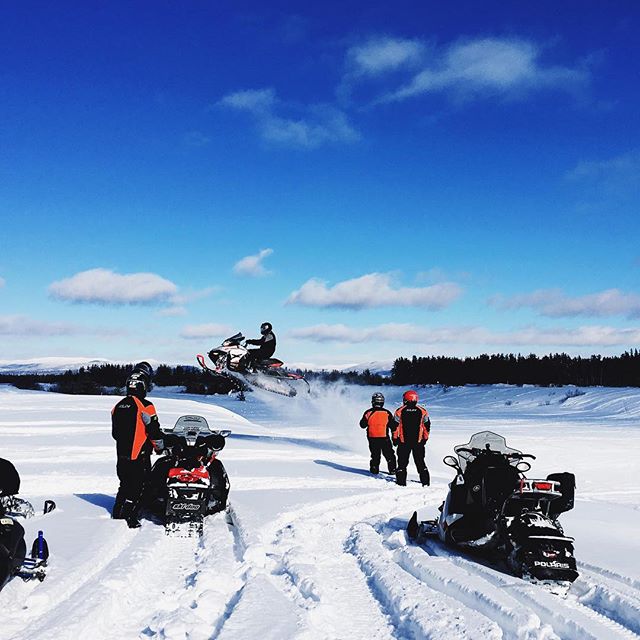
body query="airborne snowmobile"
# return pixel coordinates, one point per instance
(13, 549)
(189, 482)
(231, 360)
(491, 507)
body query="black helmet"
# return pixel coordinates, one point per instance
(265, 328)
(138, 384)
(377, 400)
(144, 367)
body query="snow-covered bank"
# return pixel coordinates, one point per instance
(317, 548)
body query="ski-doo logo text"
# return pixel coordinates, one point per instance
(185, 506)
(551, 565)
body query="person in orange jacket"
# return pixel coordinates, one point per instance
(412, 428)
(378, 422)
(136, 430)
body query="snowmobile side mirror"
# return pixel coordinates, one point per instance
(523, 466)
(450, 461)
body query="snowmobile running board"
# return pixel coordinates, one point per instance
(417, 531)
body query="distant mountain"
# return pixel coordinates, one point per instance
(56, 364)
(381, 367)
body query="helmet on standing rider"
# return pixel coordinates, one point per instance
(377, 400)
(137, 385)
(410, 397)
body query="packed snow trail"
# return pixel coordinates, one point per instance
(314, 547)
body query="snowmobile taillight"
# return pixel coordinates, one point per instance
(182, 475)
(543, 486)
(549, 554)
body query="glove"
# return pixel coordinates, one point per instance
(395, 441)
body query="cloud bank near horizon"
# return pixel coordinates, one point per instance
(373, 290)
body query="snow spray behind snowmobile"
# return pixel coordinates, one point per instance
(13, 549)
(491, 507)
(189, 482)
(232, 360)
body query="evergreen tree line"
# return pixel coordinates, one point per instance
(110, 379)
(552, 369)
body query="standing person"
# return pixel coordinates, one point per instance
(378, 422)
(411, 434)
(136, 430)
(266, 345)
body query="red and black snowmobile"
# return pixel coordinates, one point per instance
(189, 482)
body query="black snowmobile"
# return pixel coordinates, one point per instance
(232, 360)
(13, 549)
(491, 507)
(189, 482)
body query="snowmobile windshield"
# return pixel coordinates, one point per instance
(483, 441)
(235, 339)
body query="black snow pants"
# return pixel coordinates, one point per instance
(134, 476)
(405, 449)
(382, 446)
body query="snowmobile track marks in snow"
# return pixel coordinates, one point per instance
(200, 602)
(568, 618)
(494, 603)
(423, 612)
(307, 552)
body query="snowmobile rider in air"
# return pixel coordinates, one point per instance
(410, 435)
(266, 345)
(378, 422)
(136, 430)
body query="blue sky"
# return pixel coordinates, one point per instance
(374, 180)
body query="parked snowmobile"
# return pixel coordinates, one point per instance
(189, 482)
(232, 360)
(13, 549)
(491, 507)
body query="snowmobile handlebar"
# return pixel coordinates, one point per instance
(477, 452)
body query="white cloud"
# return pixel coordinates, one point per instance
(19, 325)
(307, 127)
(373, 290)
(253, 100)
(623, 166)
(186, 297)
(588, 336)
(252, 265)
(556, 304)
(489, 65)
(382, 54)
(212, 330)
(107, 287)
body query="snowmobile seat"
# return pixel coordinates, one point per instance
(9, 479)
(498, 484)
(567, 487)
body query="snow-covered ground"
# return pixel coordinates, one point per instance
(317, 546)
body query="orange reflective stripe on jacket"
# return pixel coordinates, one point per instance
(140, 436)
(377, 422)
(423, 434)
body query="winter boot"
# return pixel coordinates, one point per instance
(424, 477)
(133, 522)
(392, 466)
(401, 477)
(374, 470)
